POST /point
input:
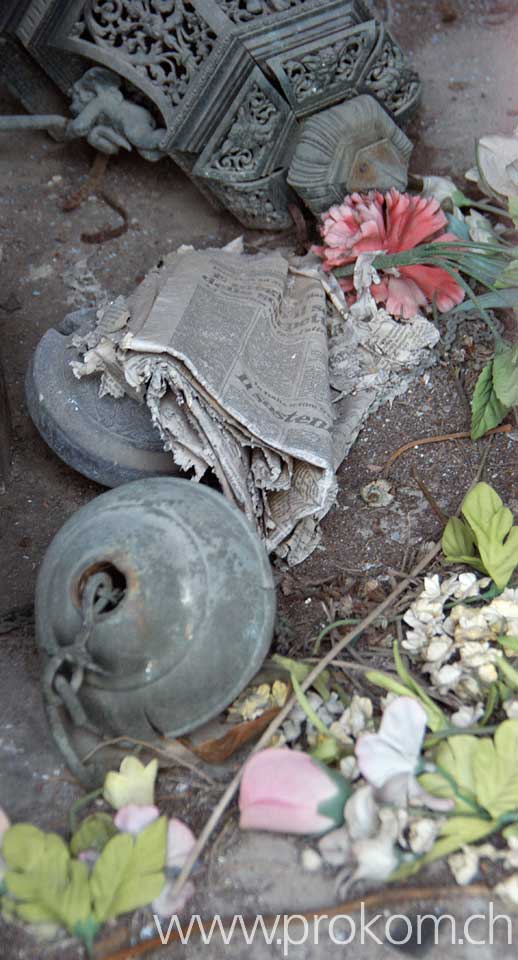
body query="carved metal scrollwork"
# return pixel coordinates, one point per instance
(391, 80)
(242, 11)
(315, 73)
(165, 40)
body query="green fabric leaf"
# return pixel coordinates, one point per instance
(510, 643)
(455, 757)
(479, 507)
(496, 538)
(74, 906)
(129, 873)
(93, 833)
(435, 718)
(505, 375)
(510, 832)
(456, 832)
(388, 682)
(495, 768)
(48, 886)
(486, 409)
(458, 545)
(23, 846)
(458, 540)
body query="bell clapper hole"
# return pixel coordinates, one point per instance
(111, 588)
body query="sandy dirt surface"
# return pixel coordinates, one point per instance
(466, 55)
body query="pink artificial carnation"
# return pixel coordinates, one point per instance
(394, 222)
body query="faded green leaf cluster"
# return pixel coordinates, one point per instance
(481, 776)
(45, 884)
(486, 539)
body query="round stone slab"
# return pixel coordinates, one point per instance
(107, 440)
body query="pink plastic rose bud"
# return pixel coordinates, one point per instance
(286, 791)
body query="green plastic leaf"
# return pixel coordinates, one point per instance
(496, 538)
(487, 411)
(93, 834)
(510, 643)
(455, 757)
(387, 682)
(457, 539)
(479, 506)
(510, 675)
(436, 719)
(505, 374)
(456, 832)
(23, 846)
(511, 832)
(74, 906)
(458, 544)
(300, 671)
(129, 873)
(495, 768)
(47, 886)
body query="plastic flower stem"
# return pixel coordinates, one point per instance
(350, 622)
(79, 804)
(509, 672)
(308, 709)
(492, 701)
(488, 208)
(432, 739)
(483, 814)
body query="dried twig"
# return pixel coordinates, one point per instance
(431, 499)
(462, 435)
(232, 788)
(367, 903)
(176, 752)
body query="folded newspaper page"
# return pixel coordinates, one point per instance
(252, 368)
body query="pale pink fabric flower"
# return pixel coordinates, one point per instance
(135, 817)
(394, 222)
(180, 841)
(287, 791)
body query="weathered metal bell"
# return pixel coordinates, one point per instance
(155, 606)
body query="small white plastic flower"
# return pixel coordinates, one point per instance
(467, 716)
(507, 890)
(464, 865)
(389, 759)
(511, 708)
(422, 834)
(135, 783)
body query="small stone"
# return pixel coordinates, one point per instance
(311, 860)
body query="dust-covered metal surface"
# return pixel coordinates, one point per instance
(218, 85)
(154, 608)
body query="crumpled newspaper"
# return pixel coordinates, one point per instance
(255, 368)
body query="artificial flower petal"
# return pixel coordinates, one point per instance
(5, 823)
(135, 783)
(497, 162)
(395, 222)
(134, 817)
(169, 905)
(180, 841)
(287, 791)
(395, 749)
